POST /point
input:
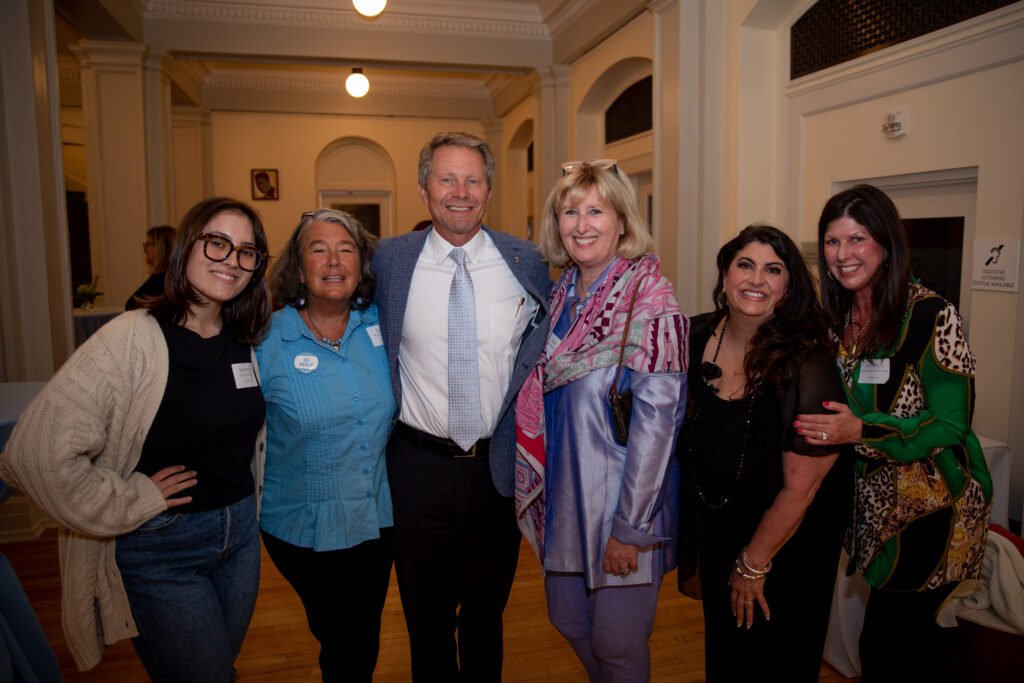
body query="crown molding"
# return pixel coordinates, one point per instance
(453, 18)
(438, 88)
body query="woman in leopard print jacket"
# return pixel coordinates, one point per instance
(923, 492)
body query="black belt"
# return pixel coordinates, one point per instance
(436, 444)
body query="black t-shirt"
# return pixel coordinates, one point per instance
(208, 420)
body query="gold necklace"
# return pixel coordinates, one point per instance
(857, 332)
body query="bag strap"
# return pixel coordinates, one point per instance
(622, 348)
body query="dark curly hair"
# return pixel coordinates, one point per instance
(796, 333)
(890, 290)
(248, 314)
(286, 286)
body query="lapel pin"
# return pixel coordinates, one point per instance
(517, 259)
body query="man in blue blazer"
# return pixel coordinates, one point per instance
(451, 457)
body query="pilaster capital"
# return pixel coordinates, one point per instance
(99, 53)
(157, 60)
(556, 75)
(493, 126)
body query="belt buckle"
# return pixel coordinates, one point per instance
(470, 454)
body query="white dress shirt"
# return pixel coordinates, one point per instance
(503, 311)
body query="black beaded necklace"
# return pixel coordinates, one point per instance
(711, 371)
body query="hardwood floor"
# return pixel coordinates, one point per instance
(278, 646)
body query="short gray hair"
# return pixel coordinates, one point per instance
(455, 139)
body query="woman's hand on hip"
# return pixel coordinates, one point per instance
(173, 480)
(620, 558)
(830, 429)
(745, 596)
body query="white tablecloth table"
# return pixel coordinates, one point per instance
(87, 322)
(851, 592)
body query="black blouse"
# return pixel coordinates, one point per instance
(756, 429)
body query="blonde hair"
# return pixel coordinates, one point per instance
(162, 237)
(614, 189)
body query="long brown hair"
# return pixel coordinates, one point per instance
(795, 333)
(873, 209)
(248, 314)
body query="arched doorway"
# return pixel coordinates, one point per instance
(356, 175)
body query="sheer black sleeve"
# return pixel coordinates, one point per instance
(817, 381)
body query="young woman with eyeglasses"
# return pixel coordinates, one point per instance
(142, 447)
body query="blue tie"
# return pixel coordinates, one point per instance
(464, 423)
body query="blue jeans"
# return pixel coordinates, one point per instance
(192, 581)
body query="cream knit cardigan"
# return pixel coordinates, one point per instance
(74, 451)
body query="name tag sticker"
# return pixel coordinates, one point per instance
(245, 378)
(375, 336)
(306, 362)
(874, 371)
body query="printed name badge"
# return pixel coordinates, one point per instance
(306, 362)
(874, 371)
(375, 337)
(244, 376)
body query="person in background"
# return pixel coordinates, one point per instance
(601, 513)
(463, 310)
(326, 505)
(157, 249)
(764, 512)
(142, 448)
(923, 493)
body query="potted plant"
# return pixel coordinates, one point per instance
(88, 293)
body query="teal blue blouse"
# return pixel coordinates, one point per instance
(329, 414)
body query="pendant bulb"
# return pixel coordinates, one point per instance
(357, 84)
(369, 8)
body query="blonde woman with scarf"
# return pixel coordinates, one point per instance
(602, 514)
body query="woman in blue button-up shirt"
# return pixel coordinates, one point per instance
(326, 502)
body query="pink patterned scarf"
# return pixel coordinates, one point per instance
(655, 343)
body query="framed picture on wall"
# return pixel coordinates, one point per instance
(264, 183)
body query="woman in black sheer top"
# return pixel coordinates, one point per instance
(763, 512)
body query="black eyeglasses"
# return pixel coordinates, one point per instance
(148, 244)
(219, 248)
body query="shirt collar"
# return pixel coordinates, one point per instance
(574, 278)
(293, 327)
(440, 247)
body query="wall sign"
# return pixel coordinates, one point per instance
(996, 265)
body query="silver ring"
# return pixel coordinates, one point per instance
(623, 572)
(824, 436)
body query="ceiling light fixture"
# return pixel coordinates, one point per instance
(369, 8)
(357, 84)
